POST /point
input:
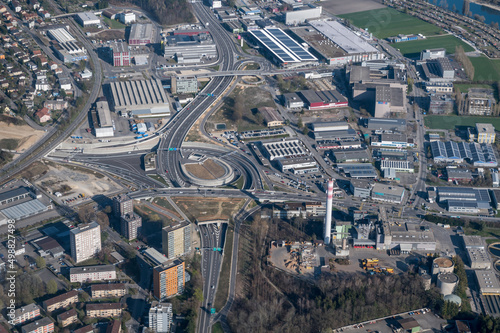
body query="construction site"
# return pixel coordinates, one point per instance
(297, 257)
(372, 267)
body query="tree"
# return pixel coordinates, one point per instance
(51, 287)
(410, 84)
(300, 124)
(108, 209)
(305, 131)
(40, 262)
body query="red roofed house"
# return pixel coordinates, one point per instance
(43, 115)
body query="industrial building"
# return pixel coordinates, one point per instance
(105, 128)
(87, 18)
(389, 100)
(346, 47)
(488, 282)
(139, 98)
(126, 17)
(485, 133)
(25, 209)
(140, 34)
(404, 237)
(189, 49)
(317, 100)
(479, 102)
(160, 314)
(442, 265)
(392, 140)
(438, 70)
(299, 165)
(464, 199)
(46, 246)
(282, 49)
(184, 85)
(360, 188)
(480, 155)
(334, 130)
(358, 170)
(292, 101)
(92, 273)
(271, 116)
(302, 13)
(14, 195)
(85, 241)
(176, 239)
(350, 156)
(455, 174)
(169, 279)
(386, 124)
(388, 193)
(120, 54)
(402, 38)
(476, 252)
(439, 87)
(284, 149)
(432, 54)
(390, 167)
(66, 47)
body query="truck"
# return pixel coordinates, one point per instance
(139, 137)
(145, 135)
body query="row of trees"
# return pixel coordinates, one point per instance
(462, 58)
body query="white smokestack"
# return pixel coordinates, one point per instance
(328, 217)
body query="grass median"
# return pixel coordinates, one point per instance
(225, 272)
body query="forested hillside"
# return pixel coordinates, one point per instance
(167, 12)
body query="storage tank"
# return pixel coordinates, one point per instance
(446, 282)
(442, 265)
(427, 281)
(453, 298)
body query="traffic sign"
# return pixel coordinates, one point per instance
(212, 310)
(215, 249)
(219, 249)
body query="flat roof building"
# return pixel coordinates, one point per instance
(45, 325)
(389, 99)
(85, 241)
(87, 18)
(478, 258)
(349, 156)
(160, 317)
(140, 34)
(316, 100)
(485, 133)
(385, 124)
(176, 239)
(143, 96)
(299, 165)
(130, 225)
(92, 273)
(271, 116)
(169, 279)
(300, 14)
(25, 209)
(358, 170)
(284, 149)
(14, 195)
(488, 282)
(189, 49)
(155, 256)
(388, 193)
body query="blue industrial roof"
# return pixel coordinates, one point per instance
(24, 209)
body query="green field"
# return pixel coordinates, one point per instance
(412, 49)
(485, 69)
(450, 122)
(464, 87)
(387, 22)
(114, 24)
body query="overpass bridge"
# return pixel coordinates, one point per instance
(247, 73)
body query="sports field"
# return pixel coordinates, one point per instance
(387, 22)
(450, 122)
(485, 69)
(412, 49)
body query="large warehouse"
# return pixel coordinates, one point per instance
(317, 100)
(302, 13)
(87, 18)
(139, 98)
(346, 48)
(481, 155)
(283, 50)
(66, 47)
(189, 49)
(105, 128)
(140, 34)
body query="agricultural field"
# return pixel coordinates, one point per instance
(450, 122)
(387, 22)
(485, 69)
(412, 49)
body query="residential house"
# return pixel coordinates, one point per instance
(43, 115)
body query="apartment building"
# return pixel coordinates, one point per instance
(168, 279)
(176, 239)
(122, 204)
(104, 310)
(85, 241)
(108, 290)
(160, 317)
(61, 301)
(44, 325)
(67, 318)
(92, 273)
(25, 313)
(130, 224)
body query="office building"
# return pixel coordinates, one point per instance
(432, 54)
(92, 273)
(44, 325)
(479, 102)
(176, 239)
(87, 18)
(85, 241)
(108, 290)
(25, 313)
(103, 310)
(140, 34)
(122, 205)
(485, 133)
(360, 188)
(61, 301)
(438, 70)
(126, 17)
(388, 193)
(184, 85)
(392, 140)
(189, 49)
(160, 317)
(300, 14)
(168, 279)
(120, 54)
(130, 225)
(299, 165)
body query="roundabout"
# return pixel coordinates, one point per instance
(207, 171)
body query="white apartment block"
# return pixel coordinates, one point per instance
(85, 241)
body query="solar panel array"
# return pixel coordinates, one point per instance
(479, 154)
(282, 45)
